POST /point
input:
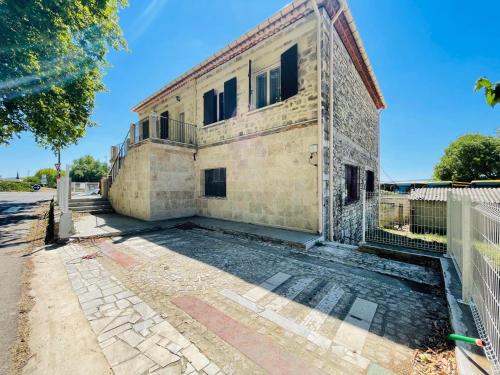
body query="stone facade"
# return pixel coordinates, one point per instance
(277, 158)
(155, 182)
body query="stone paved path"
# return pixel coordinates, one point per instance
(134, 338)
(297, 301)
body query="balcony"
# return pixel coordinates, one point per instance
(154, 127)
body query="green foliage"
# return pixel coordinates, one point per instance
(32, 180)
(491, 90)
(470, 157)
(51, 176)
(15, 186)
(51, 65)
(87, 169)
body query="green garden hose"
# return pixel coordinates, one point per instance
(470, 340)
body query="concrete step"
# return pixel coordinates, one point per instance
(93, 204)
(87, 200)
(93, 209)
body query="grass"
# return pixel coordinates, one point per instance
(427, 237)
(15, 186)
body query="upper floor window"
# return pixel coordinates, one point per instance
(268, 87)
(218, 106)
(276, 82)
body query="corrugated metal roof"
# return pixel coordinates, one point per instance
(491, 195)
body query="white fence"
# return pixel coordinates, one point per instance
(474, 245)
(84, 187)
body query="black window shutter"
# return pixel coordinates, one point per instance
(221, 106)
(249, 84)
(289, 72)
(209, 107)
(230, 98)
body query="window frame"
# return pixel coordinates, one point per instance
(349, 183)
(219, 185)
(267, 71)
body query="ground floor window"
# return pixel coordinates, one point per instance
(215, 182)
(351, 183)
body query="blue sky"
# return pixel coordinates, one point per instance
(426, 54)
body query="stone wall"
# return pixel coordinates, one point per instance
(155, 182)
(269, 180)
(355, 141)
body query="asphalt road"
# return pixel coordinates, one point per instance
(17, 211)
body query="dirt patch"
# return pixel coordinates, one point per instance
(20, 352)
(439, 356)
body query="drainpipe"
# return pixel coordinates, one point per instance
(320, 121)
(330, 132)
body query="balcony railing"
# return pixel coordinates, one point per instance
(154, 127)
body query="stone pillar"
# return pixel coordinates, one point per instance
(104, 187)
(114, 153)
(131, 134)
(153, 125)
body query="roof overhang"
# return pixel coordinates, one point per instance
(288, 15)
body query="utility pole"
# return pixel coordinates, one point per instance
(59, 163)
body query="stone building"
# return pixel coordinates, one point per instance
(279, 128)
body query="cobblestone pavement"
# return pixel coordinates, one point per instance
(134, 338)
(332, 317)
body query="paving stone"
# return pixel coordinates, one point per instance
(137, 365)
(99, 324)
(118, 321)
(142, 325)
(122, 303)
(165, 329)
(211, 369)
(174, 348)
(91, 304)
(134, 318)
(107, 342)
(194, 356)
(113, 290)
(134, 300)
(131, 337)
(114, 332)
(150, 341)
(119, 352)
(161, 355)
(109, 299)
(125, 294)
(175, 369)
(145, 311)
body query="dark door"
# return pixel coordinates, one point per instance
(164, 119)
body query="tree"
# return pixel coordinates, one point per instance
(51, 176)
(51, 66)
(88, 169)
(470, 157)
(491, 90)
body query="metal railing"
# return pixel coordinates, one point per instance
(474, 245)
(117, 162)
(176, 131)
(155, 127)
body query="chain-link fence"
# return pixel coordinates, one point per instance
(402, 221)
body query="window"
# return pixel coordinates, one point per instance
(261, 86)
(370, 182)
(164, 119)
(220, 105)
(275, 83)
(215, 182)
(351, 183)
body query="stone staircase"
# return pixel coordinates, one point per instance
(91, 205)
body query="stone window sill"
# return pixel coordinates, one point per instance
(210, 197)
(264, 108)
(213, 124)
